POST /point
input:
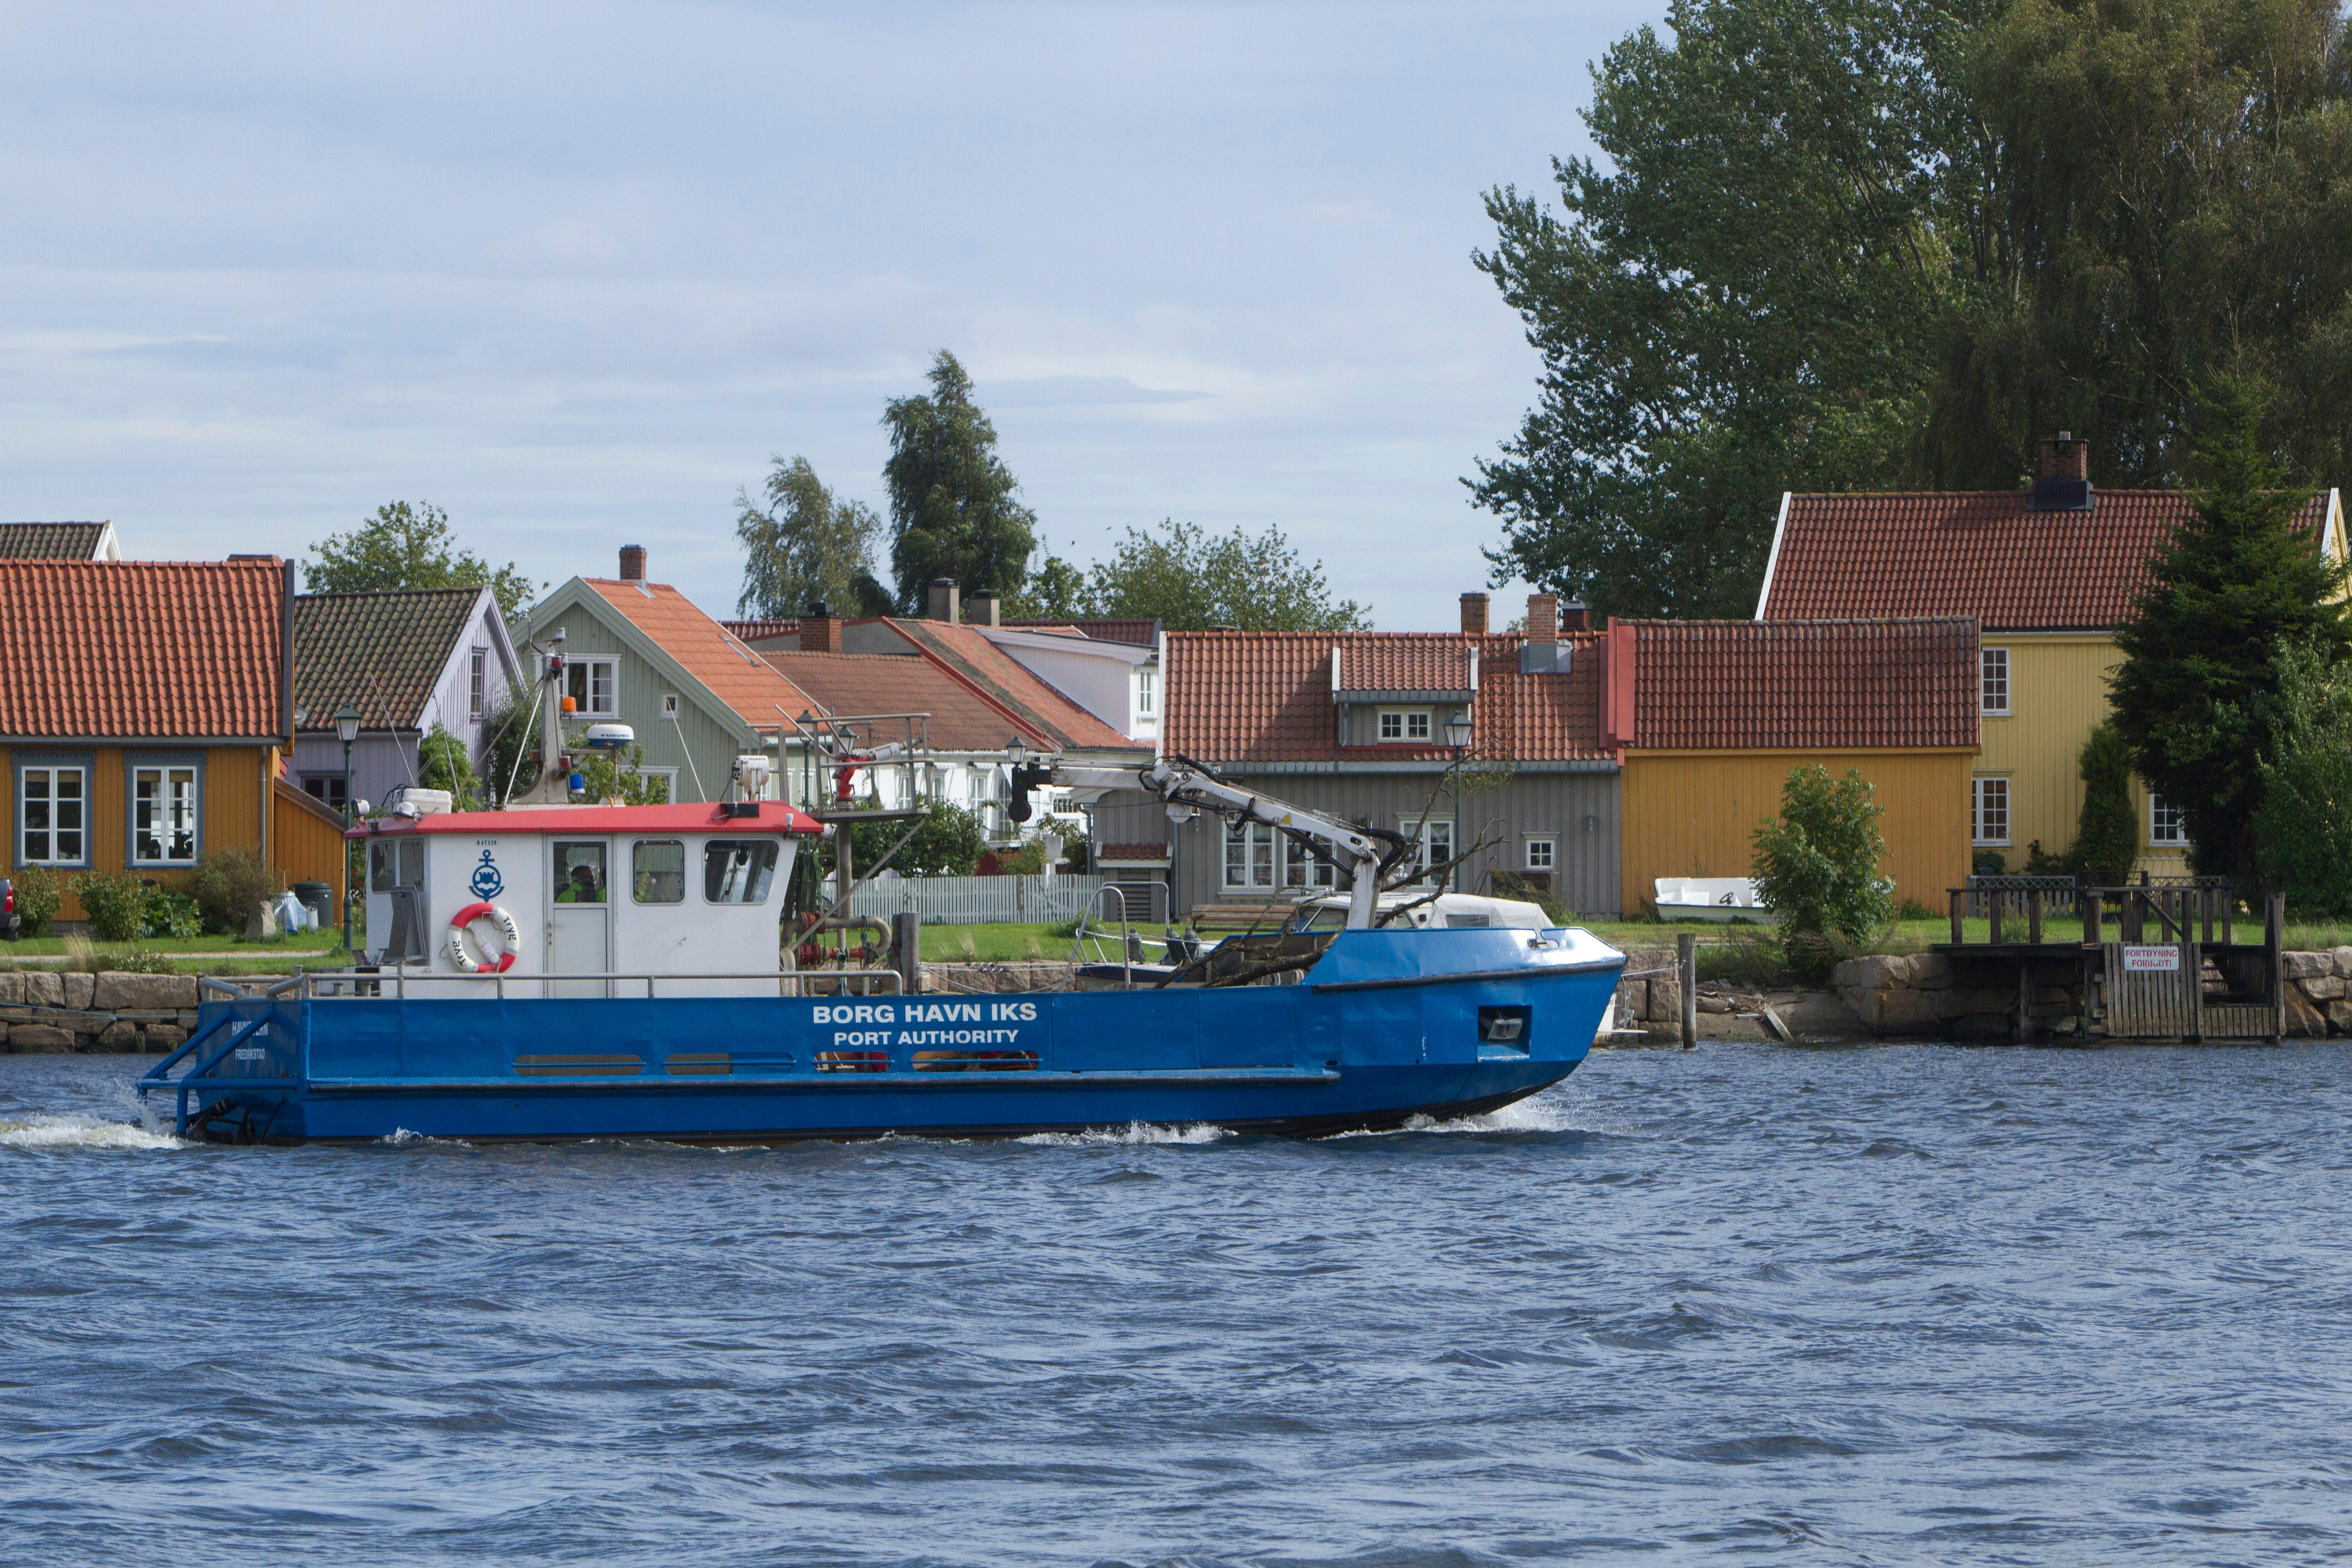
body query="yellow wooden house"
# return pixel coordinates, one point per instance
(2046, 573)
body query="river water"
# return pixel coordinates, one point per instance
(1880, 1305)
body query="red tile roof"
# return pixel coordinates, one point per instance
(1142, 629)
(997, 674)
(1979, 553)
(1763, 685)
(844, 685)
(1266, 697)
(735, 675)
(147, 650)
(761, 631)
(1405, 661)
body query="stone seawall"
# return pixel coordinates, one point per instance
(1921, 995)
(46, 1011)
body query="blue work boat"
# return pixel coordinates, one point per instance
(614, 971)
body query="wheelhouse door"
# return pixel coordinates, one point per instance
(580, 918)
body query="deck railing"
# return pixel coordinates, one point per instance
(402, 984)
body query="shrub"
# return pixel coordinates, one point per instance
(1516, 885)
(1988, 863)
(39, 893)
(173, 913)
(115, 902)
(228, 883)
(949, 843)
(2302, 829)
(1817, 868)
(443, 764)
(2106, 833)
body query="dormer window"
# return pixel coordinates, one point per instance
(1404, 724)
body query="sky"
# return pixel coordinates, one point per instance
(577, 273)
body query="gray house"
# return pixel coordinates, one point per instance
(405, 662)
(642, 654)
(1356, 723)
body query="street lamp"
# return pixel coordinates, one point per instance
(347, 730)
(1016, 751)
(1458, 735)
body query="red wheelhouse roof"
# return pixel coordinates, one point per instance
(773, 816)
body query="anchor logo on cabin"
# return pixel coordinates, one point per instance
(487, 883)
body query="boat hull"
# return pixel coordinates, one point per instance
(1386, 1027)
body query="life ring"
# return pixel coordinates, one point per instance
(465, 961)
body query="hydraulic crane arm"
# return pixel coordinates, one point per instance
(1181, 784)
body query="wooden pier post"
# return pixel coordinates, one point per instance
(1992, 904)
(906, 951)
(2024, 1000)
(2033, 917)
(1960, 908)
(1687, 971)
(2095, 919)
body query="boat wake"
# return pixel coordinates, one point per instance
(1542, 1114)
(1133, 1134)
(41, 1130)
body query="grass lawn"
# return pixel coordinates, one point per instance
(304, 942)
(994, 943)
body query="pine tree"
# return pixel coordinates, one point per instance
(2197, 694)
(952, 511)
(2106, 832)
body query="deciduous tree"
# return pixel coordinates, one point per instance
(806, 545)
(1191, 579)
(952, 507)
(411, 547)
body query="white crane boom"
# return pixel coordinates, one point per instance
(1181, 784)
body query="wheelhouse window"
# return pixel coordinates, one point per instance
(594, 685)
(2167, 825)
(1404, 724)
(53, 816)
(657, 871)
(738, 870)
(1543, 854)
(1990, 813)
(394, 863)
(579, 873)
(163, 816)
(1992, 681)
(477, 681)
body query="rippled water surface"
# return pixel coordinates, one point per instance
(1890, 1305)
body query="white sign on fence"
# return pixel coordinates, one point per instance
(2152, 960)
(971, 900)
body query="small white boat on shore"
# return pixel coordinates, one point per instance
(1719, 899)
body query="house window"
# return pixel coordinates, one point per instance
(163, 816)
(661, 785)
(1147, 692)
(1404, 724)
(1543, 854)
(328, 787)
(1300, 869)
(477, 678)
(52, 810)
(593, 686)
(1989, 818)
(669, 704)
(2166, 823)
(1993, 680)
(1436, 839)
(1249, 855)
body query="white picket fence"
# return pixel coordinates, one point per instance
(970, 901)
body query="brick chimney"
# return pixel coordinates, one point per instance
(820, 633)
(2065, 481)
(979, 610)
(632, 563)
(943, 605)
(1473, 614)
(1543, 617)
(1575, 617)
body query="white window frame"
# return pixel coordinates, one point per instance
(477, 681)
(54, 833)
(1983, 790)
(669, 705)
(1549, 853)
(1302, 871)
(1147, 693)
(667, 776)
(182, 811)
(1992, 681)
(1408, 721)
(1259, 860)
(2158, 813)
(1436, 839)
(610, 668)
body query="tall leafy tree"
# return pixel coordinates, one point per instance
(2197, 692)
(411, 547)
(2302, 829)
(952, 507)
(1191, 579)
(1872, 243)
(806, 544)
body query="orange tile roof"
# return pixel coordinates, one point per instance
(721, 661)
(1141, 629)
(843, 685)
(151, 649)
(1762, 684)
(761, 631)
(1979, 553)
(1266, 697)
(1012, 685)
